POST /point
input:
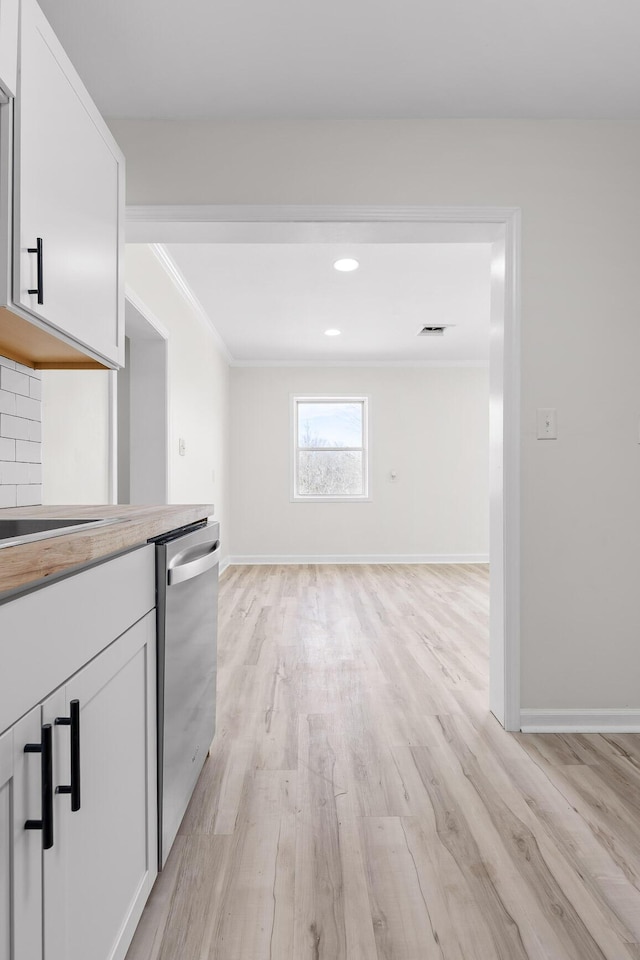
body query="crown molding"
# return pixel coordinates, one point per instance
(138, 304)
(179, 281)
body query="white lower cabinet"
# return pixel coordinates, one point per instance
(78, 888)
(20, 849)
(100, 870)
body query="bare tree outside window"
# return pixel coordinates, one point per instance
(330, 448)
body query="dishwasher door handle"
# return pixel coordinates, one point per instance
(193, 568)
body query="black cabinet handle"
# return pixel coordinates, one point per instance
(72, 721)
(39, 258)
(46, 765)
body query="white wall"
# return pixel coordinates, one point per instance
(429, 425)
(198, 378)
(578, 186)
(146, 402)
(76, 407)
(75, 436)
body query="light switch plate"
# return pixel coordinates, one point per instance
(547, 418)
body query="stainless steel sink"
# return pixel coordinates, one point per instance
(27, 529)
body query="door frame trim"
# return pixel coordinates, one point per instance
(157, 333)
(242, 223)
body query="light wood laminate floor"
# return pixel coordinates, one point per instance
(361, 802)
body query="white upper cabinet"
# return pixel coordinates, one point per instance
(68, 198)
(8, 47)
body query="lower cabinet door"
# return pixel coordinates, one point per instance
(21, 849)
(99, 876)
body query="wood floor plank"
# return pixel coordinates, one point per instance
(402, 921)
(232, 787)
(276, 733)
(610, 824)
(458, 922)
(526, 840)
(455, 832)
(591, 862)
(255, 912)
(197, 897)
(359, 931)
(361, 803)
(320, 928)
(149, 936)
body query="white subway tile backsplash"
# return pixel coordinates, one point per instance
(7, 402)
(13, 472)
(14, 381)
(20, 434)
(29, 495)
(28, 408)
(8, 496)
(16, 428)
(27, 452)
(7, 449)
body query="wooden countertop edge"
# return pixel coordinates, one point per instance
(26, 564)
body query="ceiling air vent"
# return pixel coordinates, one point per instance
(432, 331)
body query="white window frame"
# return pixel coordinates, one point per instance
(319, 498)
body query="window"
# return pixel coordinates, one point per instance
(330, 448)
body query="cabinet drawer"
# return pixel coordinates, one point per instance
(46, 636)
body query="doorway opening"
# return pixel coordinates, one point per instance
(496, 226)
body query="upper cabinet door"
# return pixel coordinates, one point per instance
(68, 198)
(8, 46)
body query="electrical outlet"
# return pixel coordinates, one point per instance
(182, 447)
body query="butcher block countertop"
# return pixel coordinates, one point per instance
(27, 565)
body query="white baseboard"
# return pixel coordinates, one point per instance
(622, 720)
(224, 564)
(253, 559)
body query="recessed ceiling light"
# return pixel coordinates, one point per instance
(346, 265)
(332, 333)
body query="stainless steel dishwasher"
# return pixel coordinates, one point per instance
(187, 600)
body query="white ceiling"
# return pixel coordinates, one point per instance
(273, 302)
(355, 58)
